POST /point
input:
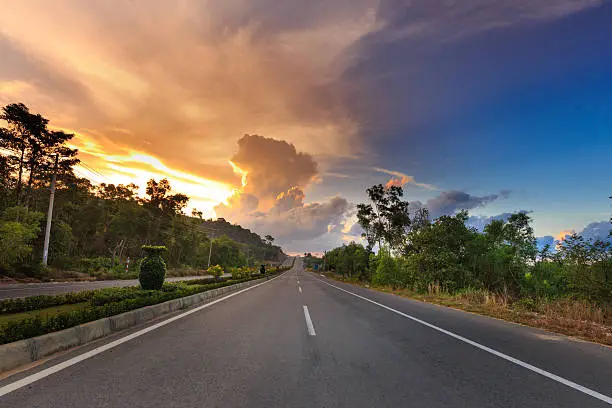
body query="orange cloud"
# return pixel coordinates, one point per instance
(399, 182)
(561, 235)
(400, 179)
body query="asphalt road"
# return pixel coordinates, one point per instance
(16, 290)
(257, 349)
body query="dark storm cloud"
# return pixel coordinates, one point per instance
(449, 202)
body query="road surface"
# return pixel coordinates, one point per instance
(16, 290)
(301, 340)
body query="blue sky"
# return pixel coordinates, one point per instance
(525, 108)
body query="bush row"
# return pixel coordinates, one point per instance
(104, 303)
(9, 306)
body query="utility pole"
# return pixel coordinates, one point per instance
(324, 255)
(210, 249)
(50, 214)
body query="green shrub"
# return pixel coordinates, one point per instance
(387, 271)
(27, 304)
(152, 268)
(241, 272)
(215, 271)
(103, 303)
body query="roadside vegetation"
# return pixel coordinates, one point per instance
(498, 272)
(32, 316)
(96, 229)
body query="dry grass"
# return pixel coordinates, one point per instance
(571, 317)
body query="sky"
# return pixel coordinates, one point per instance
(277, 115)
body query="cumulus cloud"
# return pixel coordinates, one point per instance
(180, 83)
(276, 173)
(594, 231)
(597, 230)
(304, 222)
(272, 166)
(292, 198)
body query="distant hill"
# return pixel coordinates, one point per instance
(259, 249)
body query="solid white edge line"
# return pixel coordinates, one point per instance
(499, 354)
(70, 362)
(309, 325)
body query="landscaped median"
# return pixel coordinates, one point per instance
(32, 328)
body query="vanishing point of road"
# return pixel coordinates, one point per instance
(301, 340)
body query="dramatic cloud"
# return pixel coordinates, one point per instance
(180, 83)
(165, 89)
(292, 198)
(274, 172)
(450, 202)
(305, 222)
(272, 166)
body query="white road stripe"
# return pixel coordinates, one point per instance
(499, 354)
(311, 330)
(65, 364)
(300, 289)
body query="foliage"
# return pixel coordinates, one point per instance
(386, 219)
(349, 260)
(242, 272)
(310, 260)
(446, 255)
(18, 227)
(18, 305)
(102, 303)
(152, 268)
(226, 253)
(104, 221)
(216, 271)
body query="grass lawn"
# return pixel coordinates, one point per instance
(42, 313)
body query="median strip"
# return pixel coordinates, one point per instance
(65, 364)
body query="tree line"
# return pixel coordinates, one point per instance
(420, 254)
(99, 226)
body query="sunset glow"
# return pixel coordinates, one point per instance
(279, 118)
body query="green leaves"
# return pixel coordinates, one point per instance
(152, 268)
(18, 227)
(386, 219)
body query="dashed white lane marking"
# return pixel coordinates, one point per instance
(311, 330)
(300, 289)
(77, 359)
(499, 354)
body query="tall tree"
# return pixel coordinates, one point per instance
(385, 220)
(21, 138)
(160, 199)
(32, 147)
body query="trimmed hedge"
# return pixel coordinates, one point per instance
(9, 306)
(103, 303)
(152, 268)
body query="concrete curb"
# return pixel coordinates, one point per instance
(13, 355)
